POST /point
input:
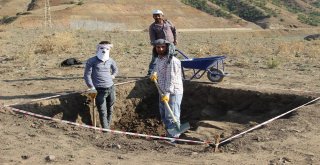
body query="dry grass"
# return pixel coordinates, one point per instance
(226, 47)
(272, 63)
(256, 50)
(313, 49)
(27, 56)
(39, 49)
(2, 29)
(199, 50)
(55, 43)
(243, 50)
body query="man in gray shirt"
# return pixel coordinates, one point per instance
(99, 73)
(160, 29)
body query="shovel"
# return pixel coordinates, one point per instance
(179, 129)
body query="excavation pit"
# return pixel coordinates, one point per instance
(210, 110)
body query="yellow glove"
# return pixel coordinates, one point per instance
(165, 98)
(92, 93)
(154, 77)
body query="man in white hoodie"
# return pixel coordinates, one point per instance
(99, 73)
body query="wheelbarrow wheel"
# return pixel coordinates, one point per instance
(215, 75)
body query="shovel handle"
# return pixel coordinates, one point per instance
(172, 115)
(94, 113)
(167, 105)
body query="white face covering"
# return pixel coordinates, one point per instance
(103, 51)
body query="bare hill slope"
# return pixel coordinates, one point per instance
(11, 7)
(265, 13)
(185, 14)
(120, 15)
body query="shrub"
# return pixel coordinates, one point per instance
(80, 2)
(291, 6)
(8, 20)
(31, 5)
(273, 63)
(312, 20)
(243, 9)
(23, 13)
(203, 6)
(316, 4)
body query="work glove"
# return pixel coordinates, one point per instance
(113, 77)
(154, 77)
(92, 92)
(165, 98)
(91, 89)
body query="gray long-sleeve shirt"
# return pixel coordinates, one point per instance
(99, 74)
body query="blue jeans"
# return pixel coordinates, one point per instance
(105, 100)
(174, 103)
(152, 64)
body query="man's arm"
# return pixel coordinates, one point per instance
(174, 32)
(152, 34)
(174, 36)
(114, 69)
(87, 74)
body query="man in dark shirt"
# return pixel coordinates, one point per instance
(160, 29)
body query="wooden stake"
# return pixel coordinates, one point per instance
(217, 142)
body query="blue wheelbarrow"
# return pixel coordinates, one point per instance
(213, 66)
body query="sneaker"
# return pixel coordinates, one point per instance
(168, 142)
(171, 142)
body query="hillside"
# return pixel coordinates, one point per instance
(114, 15)
(271, 14)
(186, 14)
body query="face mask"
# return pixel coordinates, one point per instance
(103, 51)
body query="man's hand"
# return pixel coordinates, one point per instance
(175, 42)
(165, 98)
(92, 92)
(154, 77)
(91, 89)
(113, 77)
